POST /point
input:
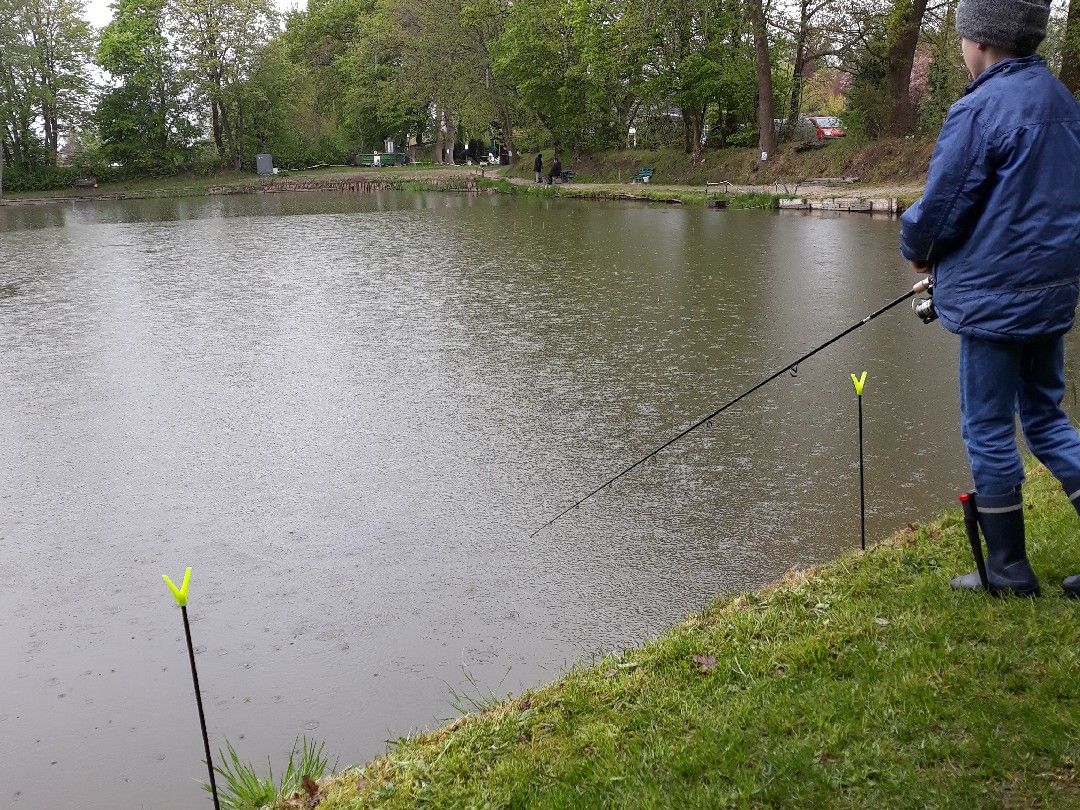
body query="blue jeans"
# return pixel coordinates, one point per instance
(996, 381)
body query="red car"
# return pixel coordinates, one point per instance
(816, 130)
(828, 127)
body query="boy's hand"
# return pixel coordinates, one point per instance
(920, 267)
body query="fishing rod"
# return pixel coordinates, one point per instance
(920, 287)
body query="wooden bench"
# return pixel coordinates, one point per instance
(568, 175)
(644, 174)
(709, 185)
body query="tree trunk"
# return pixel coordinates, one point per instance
(224, 129)
(451, 136)
(1070, 50)
(54, 144)
(766, 133)
(795, 104)
(216, 123)
(439, 139)
(238, 140)
(900, 58)
(508, 134)
(693, 125)
(50, 149)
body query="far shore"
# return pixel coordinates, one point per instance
(459, 178)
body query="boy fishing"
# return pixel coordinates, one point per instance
(998, 226)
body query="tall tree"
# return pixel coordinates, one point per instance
(484, 22)
(581, 66)
(47, 53)
(808, 45)
(142, 117)
(763, 68)
(440, 67)
(221, 41)
(18, 89)
(903, 27)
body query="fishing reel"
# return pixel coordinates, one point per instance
(924, 307)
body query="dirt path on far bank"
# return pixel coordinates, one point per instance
(817, 192)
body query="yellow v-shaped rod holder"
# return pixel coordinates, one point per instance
(181, 593)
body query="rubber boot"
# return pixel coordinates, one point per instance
(1072, 586)
(1001, 518)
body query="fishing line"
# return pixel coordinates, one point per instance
(792, 366)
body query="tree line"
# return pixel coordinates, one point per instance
(180, 85)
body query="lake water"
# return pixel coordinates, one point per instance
(348, 413)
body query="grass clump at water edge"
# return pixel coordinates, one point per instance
(863, 683)
(241, 788)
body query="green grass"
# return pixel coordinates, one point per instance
(241, 788)
(188, 185)
(864, 683)
(641, 192)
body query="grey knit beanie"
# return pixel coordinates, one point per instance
(1011, 25)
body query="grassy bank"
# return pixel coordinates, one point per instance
(865, 683)
(412, 177)
(599, 177)
(643, 192)
(408, 178)
(887, 160)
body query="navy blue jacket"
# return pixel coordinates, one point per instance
(999, 220)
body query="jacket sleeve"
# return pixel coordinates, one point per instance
(957, 184)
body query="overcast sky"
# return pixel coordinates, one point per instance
(99, 15)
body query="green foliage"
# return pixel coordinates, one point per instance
(1064, 42)
(536, 55)
(220, 43)
(39, 178)
(45, 50)
(142, 117)
(342, 76)
(241, 788)
(946, 77)
(868, 100)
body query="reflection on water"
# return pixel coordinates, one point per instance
(347, 413)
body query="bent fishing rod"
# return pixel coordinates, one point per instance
(923, 286)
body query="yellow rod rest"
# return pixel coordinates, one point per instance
(181, 593)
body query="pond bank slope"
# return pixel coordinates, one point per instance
(863, 683)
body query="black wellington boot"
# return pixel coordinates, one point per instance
(1001, 518)
(1072, 586)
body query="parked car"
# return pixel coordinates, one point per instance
(816, 130)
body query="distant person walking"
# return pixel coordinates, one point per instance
(555, 172)
(538, 167)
